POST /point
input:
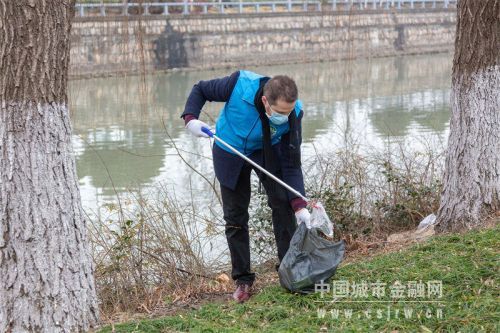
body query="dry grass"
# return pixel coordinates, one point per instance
(152, 259)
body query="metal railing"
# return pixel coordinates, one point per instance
(387, 4)
(186, 8)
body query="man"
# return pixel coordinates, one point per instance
(261, 119)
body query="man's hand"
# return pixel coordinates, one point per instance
(194, 126)
(303, 216)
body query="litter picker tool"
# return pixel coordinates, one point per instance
(319, 218)
(276, 179)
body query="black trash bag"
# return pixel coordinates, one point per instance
(309, 260)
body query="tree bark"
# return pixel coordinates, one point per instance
(471, 185)
(46, 282)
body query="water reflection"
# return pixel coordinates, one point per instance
(127, 131)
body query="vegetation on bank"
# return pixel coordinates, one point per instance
(466, 265)
(149, 247)
(368, 194)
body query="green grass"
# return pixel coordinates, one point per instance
(466, 264)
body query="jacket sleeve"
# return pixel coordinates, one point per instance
(292, 174)
(216, 90)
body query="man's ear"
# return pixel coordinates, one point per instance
(264, 99)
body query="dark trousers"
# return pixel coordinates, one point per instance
(235, 206)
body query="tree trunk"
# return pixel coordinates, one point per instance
(46, 282)
(471, 187)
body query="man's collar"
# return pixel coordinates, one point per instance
(250, 97)
(257, 98)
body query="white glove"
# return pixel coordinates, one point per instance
(303, 216)
(194, 126)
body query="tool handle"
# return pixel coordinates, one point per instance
(207, 131)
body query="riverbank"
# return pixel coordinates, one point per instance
(108, 46)
(459, 294)
(157, 249)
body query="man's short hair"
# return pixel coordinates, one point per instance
(281, 87)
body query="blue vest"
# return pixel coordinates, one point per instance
(239, 123)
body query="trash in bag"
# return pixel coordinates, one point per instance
(320, 220)
(311, 257)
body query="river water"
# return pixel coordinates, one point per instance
(128, 133)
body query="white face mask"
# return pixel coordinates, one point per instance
(277, 119)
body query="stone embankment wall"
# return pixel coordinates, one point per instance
(113, 45)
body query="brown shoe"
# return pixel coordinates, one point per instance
(242, 293)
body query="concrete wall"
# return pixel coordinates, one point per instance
(102, 46)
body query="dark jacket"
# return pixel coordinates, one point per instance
(227, 165)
